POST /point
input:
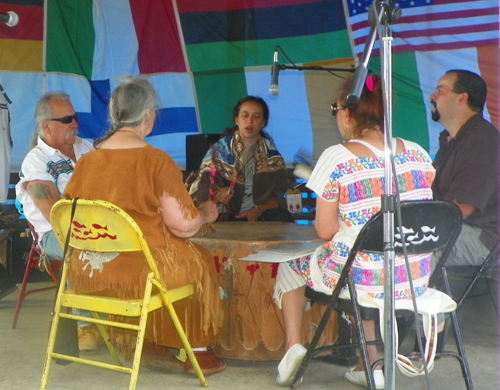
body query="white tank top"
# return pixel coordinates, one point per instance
(377, 152)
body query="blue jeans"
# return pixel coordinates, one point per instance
(50, 247)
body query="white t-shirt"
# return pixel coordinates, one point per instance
(46, 163)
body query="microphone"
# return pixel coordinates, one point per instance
(9, 18)
(357, 84)
(274, 89)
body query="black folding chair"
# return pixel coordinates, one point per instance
(444, 220)
(487, 271)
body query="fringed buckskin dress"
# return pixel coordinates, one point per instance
(134, 179)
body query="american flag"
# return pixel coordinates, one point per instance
(428, 25)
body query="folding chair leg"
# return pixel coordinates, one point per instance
(361, 335)
(314, 342)
(493, 295)
(458, 338)
(184, 340)
(107, 341)
(20, 299)
(53, 332)
(23, 293)
(140, 335)
(471, 285)
(312, 346)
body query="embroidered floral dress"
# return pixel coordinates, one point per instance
(357, 184)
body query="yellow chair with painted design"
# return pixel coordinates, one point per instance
(122, 234)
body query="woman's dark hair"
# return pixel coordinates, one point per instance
(236, 112)
(369, 110)
(473, 85)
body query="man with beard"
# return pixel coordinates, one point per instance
(45, 171)
(467, 163)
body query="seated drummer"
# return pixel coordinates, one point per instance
(243, 171)
(145, 182)
(349, 182)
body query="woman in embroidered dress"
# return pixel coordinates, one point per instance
(146, 183)
(348, 181)
(243, 171)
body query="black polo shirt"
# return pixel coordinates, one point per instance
(467, 172)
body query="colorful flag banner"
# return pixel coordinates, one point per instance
(431, 37)
(202, 56)
(428, 25)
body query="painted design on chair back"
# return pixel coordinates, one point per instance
(96, 260)
(80, 231)
(93, 260)
(413, 237)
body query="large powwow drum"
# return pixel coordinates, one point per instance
(253, 325)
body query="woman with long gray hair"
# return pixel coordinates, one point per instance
(146, 183)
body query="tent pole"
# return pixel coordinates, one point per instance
(186, 62)
(44, 46)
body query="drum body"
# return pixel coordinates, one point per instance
(253, 325)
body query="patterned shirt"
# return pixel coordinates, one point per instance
(357, 184)
(46, 163)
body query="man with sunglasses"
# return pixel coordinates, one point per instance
(47, 168)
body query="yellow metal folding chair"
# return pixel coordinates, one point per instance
(122, 235)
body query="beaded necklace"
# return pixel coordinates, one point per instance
(365, 131)
(131, 131)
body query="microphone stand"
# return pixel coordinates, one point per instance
(385, 13)
(274, 90)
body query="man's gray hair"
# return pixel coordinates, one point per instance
(43, 112)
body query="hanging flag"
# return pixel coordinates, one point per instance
(202, 56)
(21, 53)
(230, 46)
(431, 37)
(427, 25)
(21, 45)
(118, 38)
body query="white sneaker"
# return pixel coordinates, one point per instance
(290, 364)
(359, 378)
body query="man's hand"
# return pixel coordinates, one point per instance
(44, 194)
(251, 215)
(466, 209)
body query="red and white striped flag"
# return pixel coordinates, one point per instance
(429, 25)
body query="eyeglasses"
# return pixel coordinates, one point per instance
(335, 109)
(65, 119)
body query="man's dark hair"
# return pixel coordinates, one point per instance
(473, 85)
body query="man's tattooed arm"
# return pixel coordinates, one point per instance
(44, 194)
(39, 191)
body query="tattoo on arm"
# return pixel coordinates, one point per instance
(40, 191)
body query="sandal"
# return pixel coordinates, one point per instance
(209, 364)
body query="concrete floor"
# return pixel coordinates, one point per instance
(22, 353)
